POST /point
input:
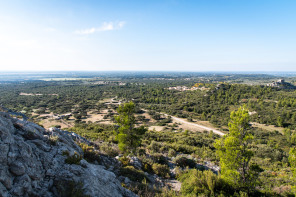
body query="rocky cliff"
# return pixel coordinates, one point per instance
(35, 162)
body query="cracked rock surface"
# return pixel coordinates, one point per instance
(32, 163)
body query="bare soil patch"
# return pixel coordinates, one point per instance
(156, 128)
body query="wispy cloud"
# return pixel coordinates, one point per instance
(106, 26)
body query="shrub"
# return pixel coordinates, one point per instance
(74, 159)
(143, 189)
(154, 146)
(172, 153)
(159, 158)
(161, 170)
(141, 151)
(89, 153)
(184, 162)
(70, 189)
(156, 116)
(147, 164)
(179, 171)
(196, 182)
(53, 139)
(166, 192)
(124, 160)
(283, 190)
(132, 173)
(66, 153)
(164, 148)
(56, 126)
(183, 148)
(109, 150)
(147, 167)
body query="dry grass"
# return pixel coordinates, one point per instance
(267, 127)
(47, 123)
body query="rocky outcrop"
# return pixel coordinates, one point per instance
(33, 162)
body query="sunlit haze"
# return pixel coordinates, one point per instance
(167, 35)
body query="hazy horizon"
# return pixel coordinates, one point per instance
(148, 71)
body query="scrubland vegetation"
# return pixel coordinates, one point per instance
(247, 161)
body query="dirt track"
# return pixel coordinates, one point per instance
(183, 121)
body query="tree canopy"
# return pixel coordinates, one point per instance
(127, 135)
(235, 153)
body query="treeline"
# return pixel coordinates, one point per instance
(269, 105)
(57, 97)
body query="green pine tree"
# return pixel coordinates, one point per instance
(129, 137)
(235, 154)
(292, 161)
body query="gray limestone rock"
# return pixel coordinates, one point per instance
(33, 163)
(136, 162)
(17, 168)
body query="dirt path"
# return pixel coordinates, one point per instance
(67, 123)
(195, 125)
(180, 120)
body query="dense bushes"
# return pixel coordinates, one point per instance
(94, 131)
(184, 162)
(159, 158)
(161, 170)
(268, 106)
(109, 149)
(172, 153)
(206, 183)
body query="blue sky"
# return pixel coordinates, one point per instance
(173, 35)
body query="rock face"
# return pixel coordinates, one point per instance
(33, 163)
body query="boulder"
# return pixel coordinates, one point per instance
(39, 162)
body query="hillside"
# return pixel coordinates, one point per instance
(39, 162)
(171, 145)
